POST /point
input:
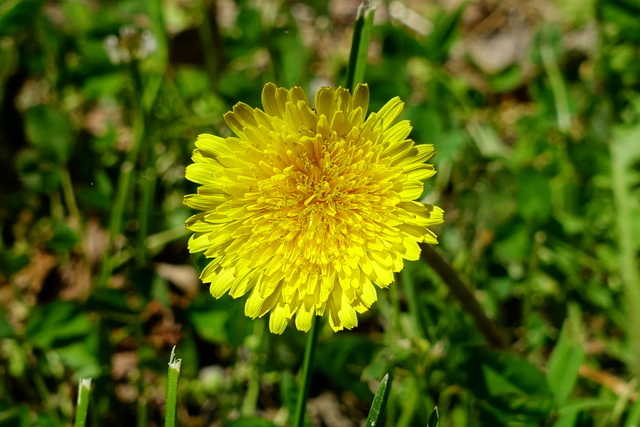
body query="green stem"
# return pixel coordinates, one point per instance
(69, 198)
(622, 159)
(83, 402)
(360, 43)
(172, 389)
(307, 365)
(148, 190)
(469, 302)
(207, 35)
(558, 86)
(126, 175)
(147, 162)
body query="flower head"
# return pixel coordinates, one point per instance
(307, 211)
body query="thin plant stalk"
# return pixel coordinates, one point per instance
(489, 329)
(307, 365)
(624, 143)
(122, 194)
(360, 43)
(147, 162)
(172, 389)
(558, 87)
(82, 408)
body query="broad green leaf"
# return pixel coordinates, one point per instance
(508, 386)
(63, 238)
(80, 360)
(50, 130)
(110, 300)
(219, 320)
(16, 15)
(57, 321)
(209, 323)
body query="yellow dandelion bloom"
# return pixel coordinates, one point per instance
(306, 210)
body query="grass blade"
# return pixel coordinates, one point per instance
(379, 402)
(360, 43)
(434, 418)
(172, 389)
(83, 402)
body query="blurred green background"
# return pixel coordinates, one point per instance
(533, 107)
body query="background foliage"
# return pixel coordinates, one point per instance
(533, 107)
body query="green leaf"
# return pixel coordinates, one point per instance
(6, 330)
(439, 41)
(342, 360)
(508, 79)
(567, 356)
(360, 44)
(50, 131)
(379, 402)
(624, 15)
(534, 196)
(55, 322)
(508, 386)
(291, 55)
(15, 416)
(80, 360)
(63, 239)
(16, 15)
(37, 172)
(11, 262)
(288, 392)
(219, 320)
(111, 300)
(633, 417)
(434, 418)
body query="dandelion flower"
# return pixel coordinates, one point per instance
(307, 211)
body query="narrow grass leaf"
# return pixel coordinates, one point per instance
(83, 402)
(379, 402)
(172, 389)
(434, 418)
(360, 43)
(633, 417)
(566, 358)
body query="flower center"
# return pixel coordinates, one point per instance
(327, 197)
